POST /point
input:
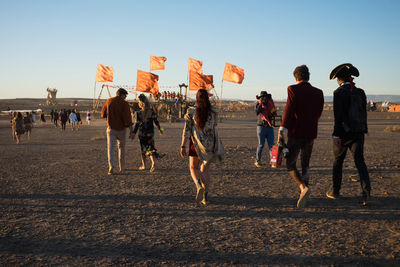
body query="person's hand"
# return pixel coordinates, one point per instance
(337, 142)
(183, 152)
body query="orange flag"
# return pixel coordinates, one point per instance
(104, 74)
(147, 82)
(199, 81)
(195, 65)
(233, 73)
(157, 63)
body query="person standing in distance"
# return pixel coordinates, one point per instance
(116, 111)
(300, 120)
(265, 109)
(350, 112)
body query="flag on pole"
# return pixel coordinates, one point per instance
(157, 63)
(195, 65)
(199, 81)
(104, 74)
(233, 73)
(147, 82)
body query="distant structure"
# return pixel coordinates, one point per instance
(51, 97)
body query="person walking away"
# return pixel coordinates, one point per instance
(116, 111)
(350, 127)
(145, 120)
(28, 124)
(74, 120)
(42, 117)
(78, 117)
(303, 109)
(55, 118)
(89, 117)
(52, 115)
(63, 119)
(12, 121)
(200, 141)
(33, 114)
(18, 123)
(265, 109)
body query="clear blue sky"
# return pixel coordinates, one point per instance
(59, 43)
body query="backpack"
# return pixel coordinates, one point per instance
(357, 113)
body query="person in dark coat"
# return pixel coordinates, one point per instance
(350, 112)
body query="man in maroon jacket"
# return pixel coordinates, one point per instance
(303, 109)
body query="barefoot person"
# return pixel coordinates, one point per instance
(200, 138)
(116, 111)
(145, 120)
(300, 120)
(349, 108)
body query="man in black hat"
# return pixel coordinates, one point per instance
(265, 109)
(117, 112)
(300, 120)
(350, 112)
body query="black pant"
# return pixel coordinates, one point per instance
(304, 147)
(354, 142)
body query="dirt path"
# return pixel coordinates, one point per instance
(58, 206)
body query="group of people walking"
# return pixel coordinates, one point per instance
(72, 116)
(21, 124)
(303, 109)
(298, 130)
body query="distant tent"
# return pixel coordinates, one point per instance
(394, 108)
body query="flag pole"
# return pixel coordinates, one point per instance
(220, 99)
(188, 84)
(222, 82)
(94, 95)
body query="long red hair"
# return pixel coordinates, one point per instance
(203, 108)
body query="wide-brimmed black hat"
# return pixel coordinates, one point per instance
(263, 94)
(346, 69)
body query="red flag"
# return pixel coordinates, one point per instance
(199, 81)
(104, 74)
(195, 65)
(147, 82)
(157, 63)
(233, 73)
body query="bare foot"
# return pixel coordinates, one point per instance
(141, 168)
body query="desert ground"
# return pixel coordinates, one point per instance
(58, 206)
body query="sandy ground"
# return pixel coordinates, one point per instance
(59, 207)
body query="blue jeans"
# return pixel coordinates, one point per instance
(264, 132)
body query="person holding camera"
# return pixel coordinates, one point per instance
(265, 109)
(300, 120)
